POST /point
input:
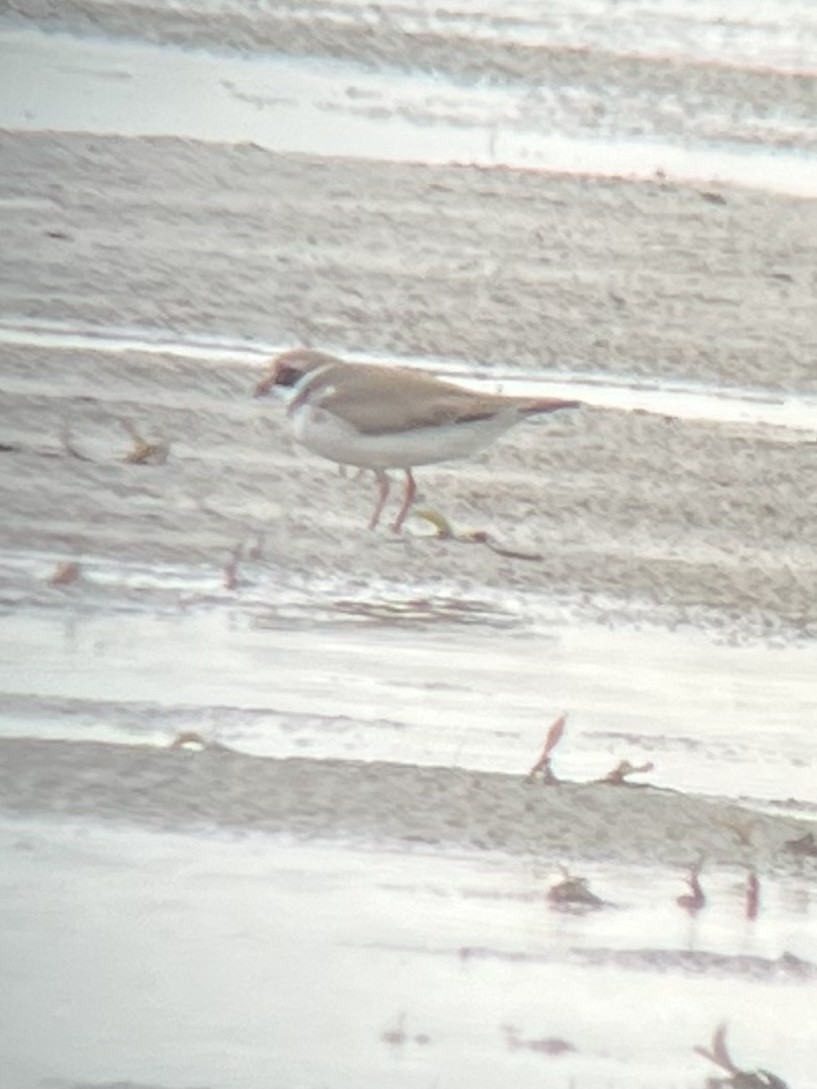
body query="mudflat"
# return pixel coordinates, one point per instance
(145, 281)
(478, 266)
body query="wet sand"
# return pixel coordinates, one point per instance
(479, 265)
(389, 804)
(684, 514)
(628, 516)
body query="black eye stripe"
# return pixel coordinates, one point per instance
(288, 376)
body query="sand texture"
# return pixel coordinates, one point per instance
(171, 561)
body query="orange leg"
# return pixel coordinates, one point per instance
(383, 495)
(408, 499)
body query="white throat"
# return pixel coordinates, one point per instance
(299, 392)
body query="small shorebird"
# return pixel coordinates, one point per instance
(390, 418)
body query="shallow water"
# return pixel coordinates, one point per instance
(174, 960)
(724, 31)
(332, 670)
(332, 107)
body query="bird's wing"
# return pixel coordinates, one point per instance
(380, 401)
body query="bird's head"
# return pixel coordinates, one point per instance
(286, 370)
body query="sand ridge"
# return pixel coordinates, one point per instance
(183, 790)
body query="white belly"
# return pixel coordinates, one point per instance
(327, 435)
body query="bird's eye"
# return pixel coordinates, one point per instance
(288, 376)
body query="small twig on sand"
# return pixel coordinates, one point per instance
(64, 573)
(395, 1036)
(256, 552)
(231, 567)
(620, 774)
(398, 1036)
(542, 765)
(438, 520)
(479, 536)
(718, 1053)
(445, 532)
(752, 909)
(143, 452)
(189, 739)
(550, 1045)
(694, 900)
(572, 894)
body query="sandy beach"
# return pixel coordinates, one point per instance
(365, 698)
